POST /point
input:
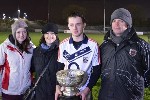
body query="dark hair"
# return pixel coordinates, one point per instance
(42, 40)
(77, 14)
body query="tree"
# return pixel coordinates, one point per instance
(137, 14)
(73, 8)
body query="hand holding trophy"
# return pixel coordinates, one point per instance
(70, 79)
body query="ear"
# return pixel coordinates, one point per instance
(68, 26)
(84, 25)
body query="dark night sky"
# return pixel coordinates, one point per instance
(37, 9)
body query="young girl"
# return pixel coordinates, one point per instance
(15, 61)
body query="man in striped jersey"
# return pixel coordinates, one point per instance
(79, 52)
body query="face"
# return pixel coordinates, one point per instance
(49, 38)
(118, 26)
(76, 26)
(21, 35)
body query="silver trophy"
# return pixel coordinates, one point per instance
(71, 79)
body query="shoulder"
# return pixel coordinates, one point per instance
(92, 42)
(6, 44)
(65, 40)
(104, 43)
(143, 44)
(37, 49)
(31, 45)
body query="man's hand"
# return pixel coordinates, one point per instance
(84, 93)
(58, 92)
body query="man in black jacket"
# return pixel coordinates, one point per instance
(125, 60)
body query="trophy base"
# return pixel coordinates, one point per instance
(69, 98)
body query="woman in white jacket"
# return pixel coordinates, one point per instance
(15, 58)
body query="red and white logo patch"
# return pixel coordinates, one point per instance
(132, 52)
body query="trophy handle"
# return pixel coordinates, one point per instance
(85, 78)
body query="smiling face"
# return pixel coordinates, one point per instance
(118, 26)
(76, 26)
(21, 35)
(50, 37)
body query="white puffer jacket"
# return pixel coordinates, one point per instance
(16, 76)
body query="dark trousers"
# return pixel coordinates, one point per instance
(11, 97)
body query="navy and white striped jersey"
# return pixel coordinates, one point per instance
(83, 58)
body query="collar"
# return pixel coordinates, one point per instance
(131, 34)
(44, 46)
(84, 41)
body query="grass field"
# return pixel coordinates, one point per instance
(36, 36)
(98, 37)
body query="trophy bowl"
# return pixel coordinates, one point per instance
(70, 79)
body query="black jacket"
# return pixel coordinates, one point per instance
(124, 68)
(46, 88)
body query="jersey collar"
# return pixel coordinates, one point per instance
(84, 41)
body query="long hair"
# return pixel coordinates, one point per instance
(25, 43)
